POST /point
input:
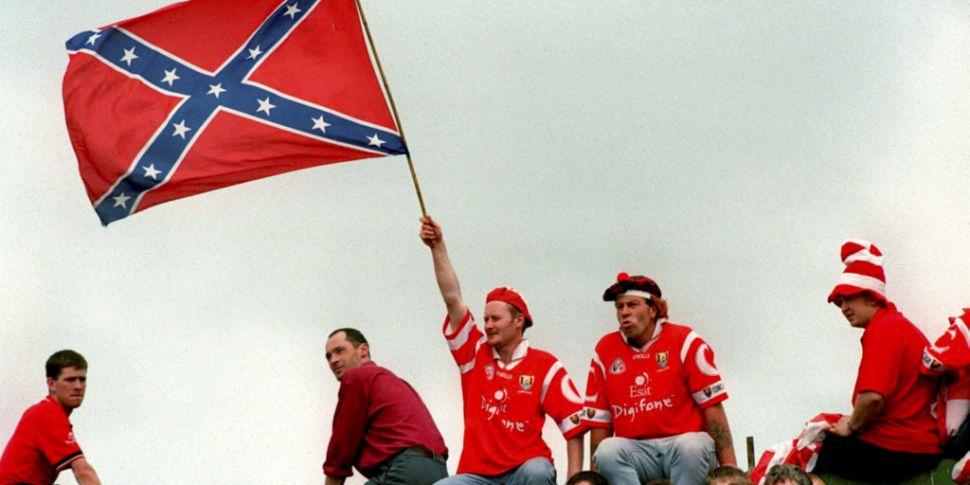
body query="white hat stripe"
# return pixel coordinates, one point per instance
(641, 294)
(863, 281)
(864, 255)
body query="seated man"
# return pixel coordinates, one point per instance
(654, 385)
(381, 426)
(508, 387)
(890, 434)
(43, 444)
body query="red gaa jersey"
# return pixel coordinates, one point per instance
(890, 366)
(41, 446)
(655, 391)
(505, 404)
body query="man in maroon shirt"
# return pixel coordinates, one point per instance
(890, 434)
(381, 426)
(43, 444)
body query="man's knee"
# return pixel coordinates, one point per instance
(538, 470)
(610, 452)
(694, 447)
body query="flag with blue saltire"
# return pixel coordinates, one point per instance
(205, 94)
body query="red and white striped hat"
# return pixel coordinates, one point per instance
(863, 271)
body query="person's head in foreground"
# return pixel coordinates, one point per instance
(787, 475)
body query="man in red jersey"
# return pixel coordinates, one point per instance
(508, 387)
(890, 434)
(654, 387)
(43, 444)
(381, 426)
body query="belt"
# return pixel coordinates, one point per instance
(419, 451)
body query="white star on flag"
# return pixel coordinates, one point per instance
(264, 105)
(292, 10)
(319, 124)
(254, 53)
(180, 129)
(216, 90)
(129, 56)
(93, 38)
(121, 200)
(375, 141)
(170, 77)
(151, 172)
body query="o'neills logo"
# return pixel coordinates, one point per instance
(618, 366)
(489, 372)
(526, 382)
(70, 438)
(662, 359)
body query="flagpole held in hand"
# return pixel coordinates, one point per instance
(390, 98)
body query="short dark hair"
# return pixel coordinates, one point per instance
(725, 472)
(353, 336)
(660, 481)
(780, 473)
(588, 476)
(64, 358)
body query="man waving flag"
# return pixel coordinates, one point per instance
(205, 94)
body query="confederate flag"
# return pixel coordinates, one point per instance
(205, 94)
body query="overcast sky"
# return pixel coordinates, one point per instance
(724, 148)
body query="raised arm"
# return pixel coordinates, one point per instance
(432, 237)
(84, 473)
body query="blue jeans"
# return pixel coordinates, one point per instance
(685, 459)
(537, 471)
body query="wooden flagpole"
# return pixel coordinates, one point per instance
(390, 98)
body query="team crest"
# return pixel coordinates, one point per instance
(489, 372)
(662, 359)
(618, 366)
(708, 391)
(526, 382)
(574, 418)
(590, 412)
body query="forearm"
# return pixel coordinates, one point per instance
(868, 405)
(84, 473)
(596, 435)
(333, 480)
(574, 455)
(448, 283)
(716, 425)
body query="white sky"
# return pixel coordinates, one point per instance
(724, 149)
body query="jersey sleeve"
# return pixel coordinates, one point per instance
(561, 401)
(880, 365)
(703, 378)
(56, 441)
(597, 411)
(950, 352)
(464, 342)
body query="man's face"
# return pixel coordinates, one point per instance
(68, 388)
(635, 317)
(343, 356)
(500, 328)
(858, 309)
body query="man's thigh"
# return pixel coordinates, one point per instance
(410, 470)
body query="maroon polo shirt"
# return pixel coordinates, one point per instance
(378, 415)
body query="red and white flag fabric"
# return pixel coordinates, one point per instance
(801, 451)
(205, 94)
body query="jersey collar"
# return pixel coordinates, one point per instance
(518, 354)
(653, 338)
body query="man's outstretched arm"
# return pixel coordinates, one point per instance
(432, 237)
(84, 473)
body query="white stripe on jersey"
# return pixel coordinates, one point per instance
(567, 425)
(691, 337)
(456, 341)
(599, 416)
(548, 380)
(468, 366)
(710, 392)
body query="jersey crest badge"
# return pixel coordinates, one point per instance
(526, 382)
(662, 359)
(489, 372)
(618, 366)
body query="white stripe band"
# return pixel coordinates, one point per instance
(863, 281)
(641, 294)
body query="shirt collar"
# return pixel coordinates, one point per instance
(518, 354)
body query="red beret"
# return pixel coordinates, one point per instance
(512, 297)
